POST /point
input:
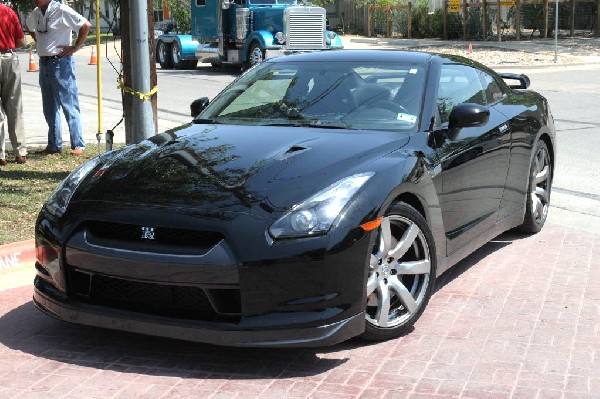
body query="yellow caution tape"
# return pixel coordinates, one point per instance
(142, 96)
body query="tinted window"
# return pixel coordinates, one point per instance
(492, 89)
(458, 84)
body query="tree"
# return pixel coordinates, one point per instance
(181, 13)
(21, 7)
(596, 19)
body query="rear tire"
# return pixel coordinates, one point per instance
(538, 190)
(401, 274)
(178, 62)
(163, 53)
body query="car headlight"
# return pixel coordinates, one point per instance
(316, 214)
(59, 200)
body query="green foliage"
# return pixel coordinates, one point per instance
(25, 187)
(425, 25)
(321, 3)
(181, 13)
(21, 7)
(379, 2)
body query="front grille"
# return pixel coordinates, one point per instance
(161, 239)
(305, 28)
(182, 302)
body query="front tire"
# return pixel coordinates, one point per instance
(538, 192)
(256, 55)
(401, 274)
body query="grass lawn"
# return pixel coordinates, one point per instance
(24, 189)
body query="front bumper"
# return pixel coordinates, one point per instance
(223, 334)
(250, 293)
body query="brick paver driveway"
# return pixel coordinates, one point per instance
(518, 318)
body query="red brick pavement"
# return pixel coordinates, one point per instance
(520, 318)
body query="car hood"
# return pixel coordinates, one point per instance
(235, 168)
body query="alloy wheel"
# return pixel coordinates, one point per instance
(540, 186)
(399, 273)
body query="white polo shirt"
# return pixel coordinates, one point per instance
(54, 28)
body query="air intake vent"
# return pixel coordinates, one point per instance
(183, 302)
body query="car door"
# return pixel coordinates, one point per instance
(473, 161)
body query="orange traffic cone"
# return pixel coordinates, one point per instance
(93, 60)
(470, 49)
(32, 65)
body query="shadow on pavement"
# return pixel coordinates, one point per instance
(461, 267)
(25, 329)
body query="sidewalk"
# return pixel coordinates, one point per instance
(520, 318)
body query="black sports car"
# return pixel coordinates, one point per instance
(315, 199)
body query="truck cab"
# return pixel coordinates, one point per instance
(245, 32)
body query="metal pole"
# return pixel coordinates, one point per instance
(142, 121)
(98, 73)
(556, 32)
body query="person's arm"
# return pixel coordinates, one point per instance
(81, 35)
(20, 43)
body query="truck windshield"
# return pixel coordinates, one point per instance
(340, 94)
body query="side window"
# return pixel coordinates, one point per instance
(458, 84)
(493, 91)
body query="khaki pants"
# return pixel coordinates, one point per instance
(11, 105)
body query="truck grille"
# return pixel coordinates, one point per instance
(305, 28)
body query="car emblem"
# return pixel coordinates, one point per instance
(147, 233)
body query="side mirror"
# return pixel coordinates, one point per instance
(523, 80)
(467, 115)
(198, 106)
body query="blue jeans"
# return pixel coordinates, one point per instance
(59, 90)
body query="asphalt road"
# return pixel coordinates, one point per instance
(573, 93)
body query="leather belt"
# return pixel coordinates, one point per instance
(49, 57)
(6, 51)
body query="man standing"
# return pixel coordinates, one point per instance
(51, 25)
(11, 37)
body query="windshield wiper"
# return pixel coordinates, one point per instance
(207, 121)
(310, 123)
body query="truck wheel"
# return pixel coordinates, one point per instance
(178, 63)
(163, 54)
(256, 55)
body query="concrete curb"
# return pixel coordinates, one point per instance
(17, 264)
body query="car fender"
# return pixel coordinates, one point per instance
(396, 179)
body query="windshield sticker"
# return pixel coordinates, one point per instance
(407, 117)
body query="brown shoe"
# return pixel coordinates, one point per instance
(21, 159)
(48, 151)
(3, 162)
(78, 151)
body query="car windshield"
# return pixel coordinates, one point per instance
(351, 95)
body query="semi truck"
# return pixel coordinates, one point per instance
(245, 32)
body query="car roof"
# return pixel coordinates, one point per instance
(359, 55)
(402, 56)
